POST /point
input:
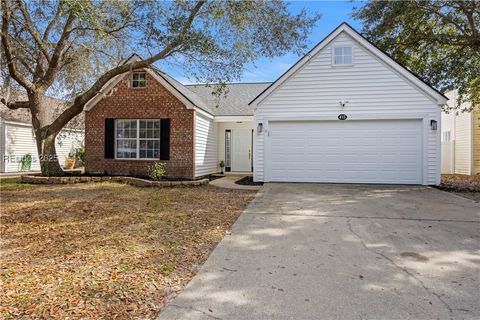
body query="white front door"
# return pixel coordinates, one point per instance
(242, 150)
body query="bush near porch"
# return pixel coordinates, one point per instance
(105, 250)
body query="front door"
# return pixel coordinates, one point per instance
(242, 150)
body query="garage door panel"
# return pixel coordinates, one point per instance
(346, 151)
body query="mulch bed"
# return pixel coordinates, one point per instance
(134, 181)
(215, 176)
(105, 250)
(464, 185)
(248, 181)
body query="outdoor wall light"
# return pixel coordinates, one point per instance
(343, 104)
(260, 127)
(433, 124)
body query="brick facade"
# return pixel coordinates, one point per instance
(152, 102)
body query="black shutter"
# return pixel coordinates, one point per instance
(164, 139)
(109, 138)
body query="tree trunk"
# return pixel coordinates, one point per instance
(45, 138)
(48, 156)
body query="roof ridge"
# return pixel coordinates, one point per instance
(230, 83)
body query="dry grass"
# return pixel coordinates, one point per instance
(105, 250)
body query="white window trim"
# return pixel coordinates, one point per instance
(343, 64)
(138, 142)
(131, 80)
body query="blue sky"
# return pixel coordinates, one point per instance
(333, 14)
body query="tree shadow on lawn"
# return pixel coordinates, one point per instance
(106, 249)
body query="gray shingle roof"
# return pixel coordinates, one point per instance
(234, 103)
(190, 95)
(54, 108)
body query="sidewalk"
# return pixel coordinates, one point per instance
(228, 182)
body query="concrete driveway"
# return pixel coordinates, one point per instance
(316, 251)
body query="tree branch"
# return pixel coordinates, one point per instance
(31, 28)
(57, 55)
(16, 104)
(82, 99)
(54, 21)
(12, 69)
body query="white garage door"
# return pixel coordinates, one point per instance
(345, 151)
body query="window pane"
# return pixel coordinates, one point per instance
(347, 59)
(143, 133)
(338, 60)
(139, 80)
(338, 51)
(227, 148)
(126, 149)
(347, 51)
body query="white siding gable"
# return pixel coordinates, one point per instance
(373, 89)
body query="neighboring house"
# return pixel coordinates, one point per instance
(460, 138)
(346, 112)
(17, 137)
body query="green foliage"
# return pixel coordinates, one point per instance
(26, 162)
(224, 36)
(438, 40)
(158, 170)
(80, 154)
(222, 164)
(167, 268)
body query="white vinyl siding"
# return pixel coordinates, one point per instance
(20, 140)
(205, 146)
(372, 88)
(459, 156)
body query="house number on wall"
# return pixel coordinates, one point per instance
(342, 117)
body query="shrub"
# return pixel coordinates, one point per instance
(80, 154)
(158, 171)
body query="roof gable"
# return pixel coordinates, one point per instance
(187, 97)
(408, 75)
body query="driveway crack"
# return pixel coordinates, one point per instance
(403, 269)
(197, 310)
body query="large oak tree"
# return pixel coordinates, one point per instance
(438, 39)
(76, 46)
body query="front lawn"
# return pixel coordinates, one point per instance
(105, 250)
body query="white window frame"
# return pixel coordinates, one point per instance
(447, 136)
(139, 81)
(137, 139)
(342, 64)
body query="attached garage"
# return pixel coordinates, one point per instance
(348, 113)
(381, 151)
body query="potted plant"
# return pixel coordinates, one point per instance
(222, 165)
(70, 161)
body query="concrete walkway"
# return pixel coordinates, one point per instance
(309, 251)
(229, 182)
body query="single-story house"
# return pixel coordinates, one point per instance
(18, 148)
(460, 138)
(344, 113)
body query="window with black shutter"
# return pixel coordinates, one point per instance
(109, 138)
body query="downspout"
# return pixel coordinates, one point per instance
(3, 144)
(454, 133)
